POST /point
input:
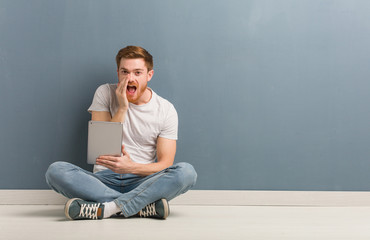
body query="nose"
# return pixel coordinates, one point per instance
(130, 77)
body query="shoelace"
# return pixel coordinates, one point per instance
(148, 211)
(89, 210)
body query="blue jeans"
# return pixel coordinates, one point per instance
(130, 192)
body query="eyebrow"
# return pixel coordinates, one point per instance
(137, 69)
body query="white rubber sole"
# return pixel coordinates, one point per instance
(66, 207)
(166, 208)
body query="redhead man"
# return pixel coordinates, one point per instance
(144, 178)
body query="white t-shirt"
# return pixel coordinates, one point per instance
(143, 123)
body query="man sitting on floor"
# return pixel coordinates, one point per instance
(144, 178)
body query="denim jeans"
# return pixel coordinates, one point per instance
(130, 192)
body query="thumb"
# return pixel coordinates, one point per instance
(123, 150)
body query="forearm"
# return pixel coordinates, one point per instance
(166, 150)
(119, 116)
(147, 169)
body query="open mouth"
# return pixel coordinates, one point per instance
(131, 89)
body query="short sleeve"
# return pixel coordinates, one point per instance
(170, 124)
(101, 100)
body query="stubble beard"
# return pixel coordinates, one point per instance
(139, 93)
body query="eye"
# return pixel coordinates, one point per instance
(137, 73)
(124, 72)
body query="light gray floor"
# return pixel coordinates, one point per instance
(192, 222)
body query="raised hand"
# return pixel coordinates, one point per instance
(121, 94)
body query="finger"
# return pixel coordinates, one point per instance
(108, 158)
(120, 87)
(106, 164)
(105, 161)
(125, 83)
(124, 151)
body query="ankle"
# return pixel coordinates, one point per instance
(110, 209)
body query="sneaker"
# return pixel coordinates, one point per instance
(158, 209)
(77, 208)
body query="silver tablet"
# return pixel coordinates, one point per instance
(104, 138)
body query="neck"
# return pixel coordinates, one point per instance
(145, 98)
(147, 95)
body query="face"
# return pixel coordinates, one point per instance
(138, 76)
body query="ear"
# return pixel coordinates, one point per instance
(150, 74)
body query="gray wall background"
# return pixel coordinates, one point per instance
(271, 95)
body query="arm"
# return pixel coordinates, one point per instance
(106, 117)
(166, 150)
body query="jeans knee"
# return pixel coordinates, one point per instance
(187, 174)
(55, 171)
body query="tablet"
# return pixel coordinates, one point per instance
(104, 138)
